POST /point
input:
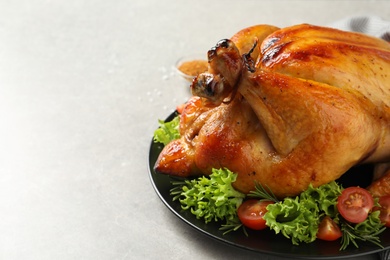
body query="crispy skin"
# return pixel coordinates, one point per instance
(381, 187)
(316, 105)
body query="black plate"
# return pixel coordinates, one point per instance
(265, 241)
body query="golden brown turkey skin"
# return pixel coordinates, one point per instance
(305, 106)
(381, 186)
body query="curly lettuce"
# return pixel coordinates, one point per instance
(298, 218)
(211, 198)
(167, 131)
(368, 230)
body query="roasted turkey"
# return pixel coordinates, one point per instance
(286, 108)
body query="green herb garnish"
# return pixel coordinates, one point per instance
(167, 131)
(211, 198)
(262, 193)
(369, 231)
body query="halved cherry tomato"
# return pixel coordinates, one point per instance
(384, 216)
(251, 213)
(354, 204)
(328, 230)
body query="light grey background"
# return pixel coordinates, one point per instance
(82, 84)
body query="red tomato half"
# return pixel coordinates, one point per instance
(384, 216)
(328, 230)
(354, 204)
(251, 213)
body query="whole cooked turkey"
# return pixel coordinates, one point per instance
(286, 108)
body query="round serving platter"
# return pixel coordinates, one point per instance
(265, 241)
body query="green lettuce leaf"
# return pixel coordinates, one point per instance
(212, 197)
(368, 230)
(324, 196)
(298, 218)
(167, 131)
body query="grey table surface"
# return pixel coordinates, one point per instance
(82, 85)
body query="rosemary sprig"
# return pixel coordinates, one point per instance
(263, 193)
(367, 231)
(233, 226)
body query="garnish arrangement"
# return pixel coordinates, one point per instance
(329, 212)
